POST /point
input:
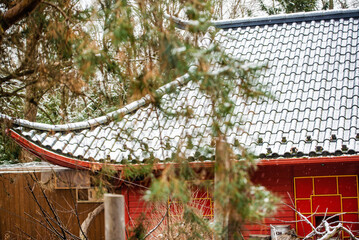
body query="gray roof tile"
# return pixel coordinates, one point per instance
(313, 74)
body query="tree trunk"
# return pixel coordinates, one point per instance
(224, 213)
(16, 13)
(222, 167)
(331, 4)
(30, 112)
(31, 103)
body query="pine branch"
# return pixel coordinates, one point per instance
(16, 13)
(16, 75)
(57, 8)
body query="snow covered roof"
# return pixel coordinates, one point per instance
(30, 167)
(313, 75)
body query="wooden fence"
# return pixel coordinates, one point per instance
(27, 212)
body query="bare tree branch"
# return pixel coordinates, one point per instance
(160, 222)
(16, 13)
(57, 8)
(86, 223)
(329, 231)
(16, 75)
(49, 220)
(44, 212)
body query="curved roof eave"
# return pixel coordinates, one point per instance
(75, 163)
(103, 119)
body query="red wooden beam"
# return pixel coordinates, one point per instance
(52, 157)
(309, 160)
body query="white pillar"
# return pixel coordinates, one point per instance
(114, 217)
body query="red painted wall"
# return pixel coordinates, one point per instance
(278, 179)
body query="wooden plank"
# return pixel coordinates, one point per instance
(15, 201)
(3, 208)
(22, 196)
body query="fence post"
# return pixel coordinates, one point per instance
(114, 217)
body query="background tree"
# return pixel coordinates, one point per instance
(65, 61)
(39, 42)
(42, 45)
(289, 6)
(59, 56)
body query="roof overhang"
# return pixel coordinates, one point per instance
(75, 163)
(271, 20)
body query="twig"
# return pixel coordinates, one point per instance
(44, 212)
(23, 232)
(57, 8)
(52, 209)
(47, 217)
(47, 115)
(41, 224)
(77, 214)
(163, 218)
(291, 199)
(306, 220)
(16, 75)
(329, 230)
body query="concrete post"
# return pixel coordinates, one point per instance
(114, 217)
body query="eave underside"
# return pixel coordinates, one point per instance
(74, 163)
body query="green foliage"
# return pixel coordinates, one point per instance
(120, 51)
(169, 186)
(219, 76)
(103, 180)
(289, 6)
(138, 173)
(9, 150)
(139, 232)
(248, 202)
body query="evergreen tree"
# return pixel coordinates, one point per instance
(288, 6)
(68, 62)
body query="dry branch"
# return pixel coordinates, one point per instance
(86, 223)
(323, 234)
(16, 13)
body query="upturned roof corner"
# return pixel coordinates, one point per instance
(313, 75)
